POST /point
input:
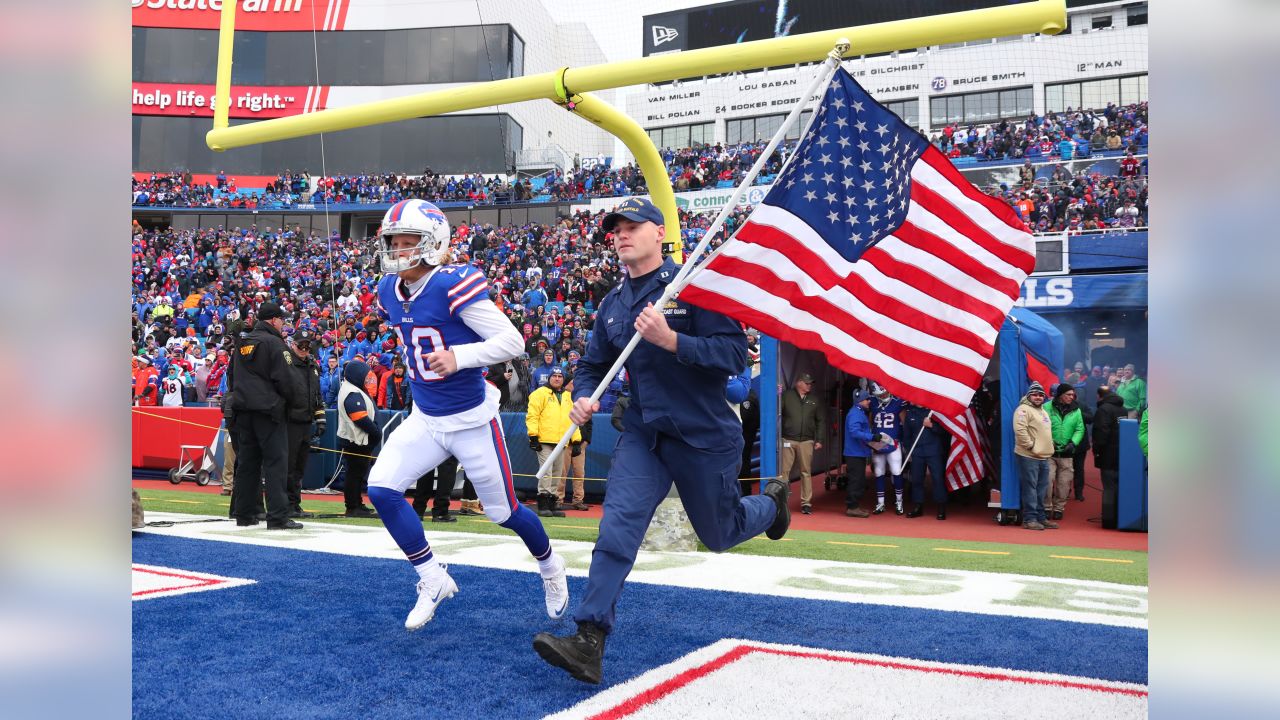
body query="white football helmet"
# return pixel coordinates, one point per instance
(415, 217)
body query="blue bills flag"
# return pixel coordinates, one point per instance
(873, 249)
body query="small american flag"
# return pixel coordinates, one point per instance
(873, 249)
(970, 456)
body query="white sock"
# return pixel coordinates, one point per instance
(428, 569)
(551, 565)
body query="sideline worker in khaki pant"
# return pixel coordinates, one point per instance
(228, 464)
(576, 462)
(803, 419)
(547, 420)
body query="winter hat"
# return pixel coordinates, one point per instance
(1063, 389)
(1035, 387)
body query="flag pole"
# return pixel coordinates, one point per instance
(907, 459)
(829, 67)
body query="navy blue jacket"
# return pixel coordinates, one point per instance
(935, 441)
(679, 394)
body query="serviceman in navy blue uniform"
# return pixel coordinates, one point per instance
(678, 428)
(931, 452)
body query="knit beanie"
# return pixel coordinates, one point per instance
(1035, 387)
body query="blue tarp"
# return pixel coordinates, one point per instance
(1028, 346)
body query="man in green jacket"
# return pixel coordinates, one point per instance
(1132, 390)
(803, 421)
(1068, 432)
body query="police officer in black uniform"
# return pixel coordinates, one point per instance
(263, 387)
(302, 417)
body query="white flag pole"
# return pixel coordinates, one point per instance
(829, 67)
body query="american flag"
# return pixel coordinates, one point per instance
(970, 456)
(873, 249)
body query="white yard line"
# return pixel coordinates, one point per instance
(1086, 601)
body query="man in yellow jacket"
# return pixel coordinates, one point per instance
(1033, 446)
(547, 419)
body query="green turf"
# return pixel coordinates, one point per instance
(911, 552)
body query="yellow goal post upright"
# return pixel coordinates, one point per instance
(570, 87)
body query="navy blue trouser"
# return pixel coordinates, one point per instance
(937, 467)
(642, 469)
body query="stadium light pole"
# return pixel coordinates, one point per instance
(1042, 16)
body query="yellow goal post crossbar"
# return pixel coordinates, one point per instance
(1042, 16)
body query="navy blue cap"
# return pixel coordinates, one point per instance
(635, 209)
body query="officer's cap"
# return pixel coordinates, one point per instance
(635, 209)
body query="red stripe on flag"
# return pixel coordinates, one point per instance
(841, 318)
(922, 280)
(805, 259)
(1005, 214)
(956, 258)
(929, 200)
(777, 328)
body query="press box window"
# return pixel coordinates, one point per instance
(908, 110)
(1095, 94)
(682, 136)
(983, 107)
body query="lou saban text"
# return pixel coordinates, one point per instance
(251, 101)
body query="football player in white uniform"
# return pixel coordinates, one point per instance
(450, 330)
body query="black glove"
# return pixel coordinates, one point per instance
(616, 418)
(534, 443)
(1070, 449)
(319, 433)
(575, 449)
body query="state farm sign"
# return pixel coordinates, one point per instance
(250, 14)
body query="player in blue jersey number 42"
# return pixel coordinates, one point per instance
(450, 330)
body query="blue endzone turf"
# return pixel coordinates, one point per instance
(321, 636)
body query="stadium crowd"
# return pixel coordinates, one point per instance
(190, 287)
(691, 169)
(1069, 135)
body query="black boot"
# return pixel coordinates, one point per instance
(543, 510)
(942, 512)
(916, 511)
(553, 506)
(580, 655)
(777, 490)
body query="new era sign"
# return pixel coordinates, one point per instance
(665, 33)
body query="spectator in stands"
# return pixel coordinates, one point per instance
(543, 371)
(393, 389)
(330, 381)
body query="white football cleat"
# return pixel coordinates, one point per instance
(556, 586)
(431, 593)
